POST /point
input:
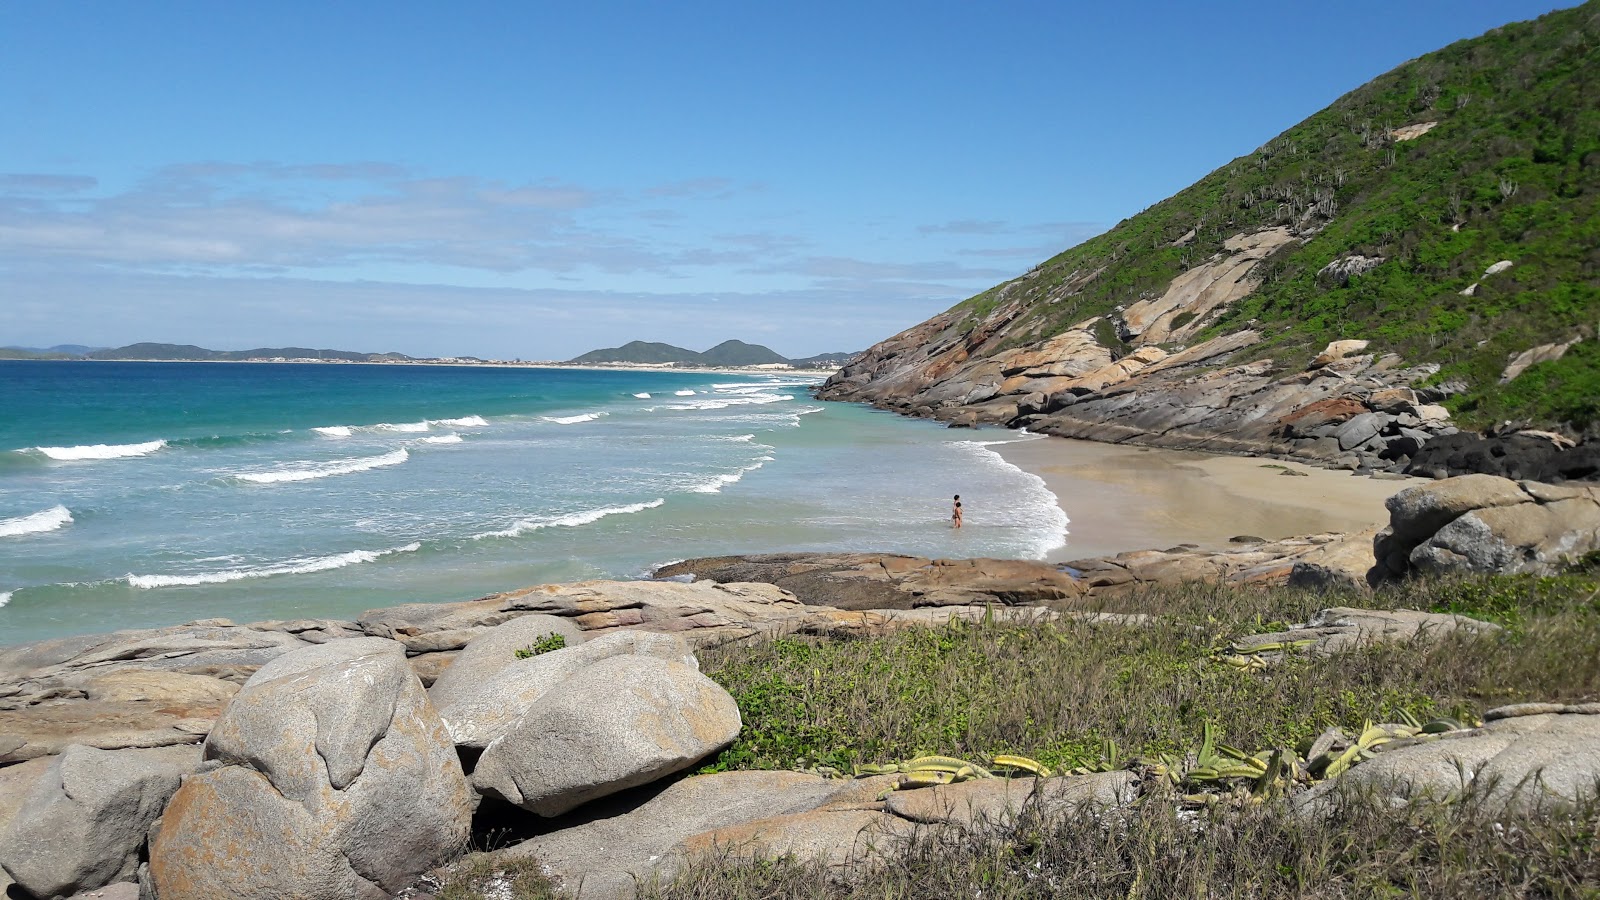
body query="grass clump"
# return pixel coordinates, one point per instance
(544, 644)
(480, 876)
(1059, 692)
(1156, 851)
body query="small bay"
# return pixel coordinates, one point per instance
(140, 494)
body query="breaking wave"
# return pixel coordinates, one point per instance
(572, 420)
(98, 451)
(37, 523)
(571, 520)
(326, 470)
(291, 567)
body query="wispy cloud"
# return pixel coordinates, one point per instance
(40, 183)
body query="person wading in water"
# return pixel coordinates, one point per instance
(955, 513)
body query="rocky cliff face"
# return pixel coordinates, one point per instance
(1345, 408)
(1424, 244)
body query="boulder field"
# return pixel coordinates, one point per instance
(334, 758)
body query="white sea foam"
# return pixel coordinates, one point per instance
(100, 451)
(327, 470)
(36, 523)
(407, 427)
(571, 520)
(5, 597)
(291, 567)
(336, 431)
(1040, 514)
(684, 393)
(728, 401)
(642, 396)
(443, 439)
(715, 485)
(572, 420)
(463, 422)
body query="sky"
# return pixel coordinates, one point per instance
(534, 180)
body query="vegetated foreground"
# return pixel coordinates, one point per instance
(1071, 694)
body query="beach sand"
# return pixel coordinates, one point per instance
(1121, 497)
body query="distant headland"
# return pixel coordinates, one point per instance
(633, 355)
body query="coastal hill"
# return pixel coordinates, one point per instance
(191, 353)
(725, 354)
(1442, 221)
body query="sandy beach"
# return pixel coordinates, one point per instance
(1130, 498)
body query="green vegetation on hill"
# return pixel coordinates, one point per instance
(738, 353)
(727, 353)
(647, 352)
(1511, 172)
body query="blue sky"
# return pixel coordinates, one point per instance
(538, 179)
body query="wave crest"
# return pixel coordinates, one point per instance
(571, 520)
(99, 451)
(572, 420)
(36, 523)
(327, 470)
(292, 567)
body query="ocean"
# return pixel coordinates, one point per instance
(145, 494)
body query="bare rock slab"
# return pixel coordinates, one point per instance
(330, 775)
(997, 802)
(613, 843)
(621, 722)
(1517, 763)
(84, 819)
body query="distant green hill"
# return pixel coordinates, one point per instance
(727, 353)
(738, 353)
(189, 352)
(646, 352)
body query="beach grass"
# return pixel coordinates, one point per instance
(1156, 851)
(1072, 693)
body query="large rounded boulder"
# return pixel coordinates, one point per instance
(620, 722)
(481, 710)
(82, 821)
(329, 775)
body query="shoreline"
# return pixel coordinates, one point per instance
(1120, 497)
(495, 364)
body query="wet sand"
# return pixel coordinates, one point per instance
(1133, 498)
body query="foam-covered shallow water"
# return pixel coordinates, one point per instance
(138, 494)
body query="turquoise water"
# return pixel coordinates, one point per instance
(138, 494)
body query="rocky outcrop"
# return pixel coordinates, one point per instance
(1484, 523)
(1338, 629)
(328, 776)
(1149, 385)
(614, 724)
(876, 581)
(1527, 757)
(81, 823)
(1533, 455)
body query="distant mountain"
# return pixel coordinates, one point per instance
(738, 353)
(727, 353)
(189, 352)
(647, 352)
(56, 352)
